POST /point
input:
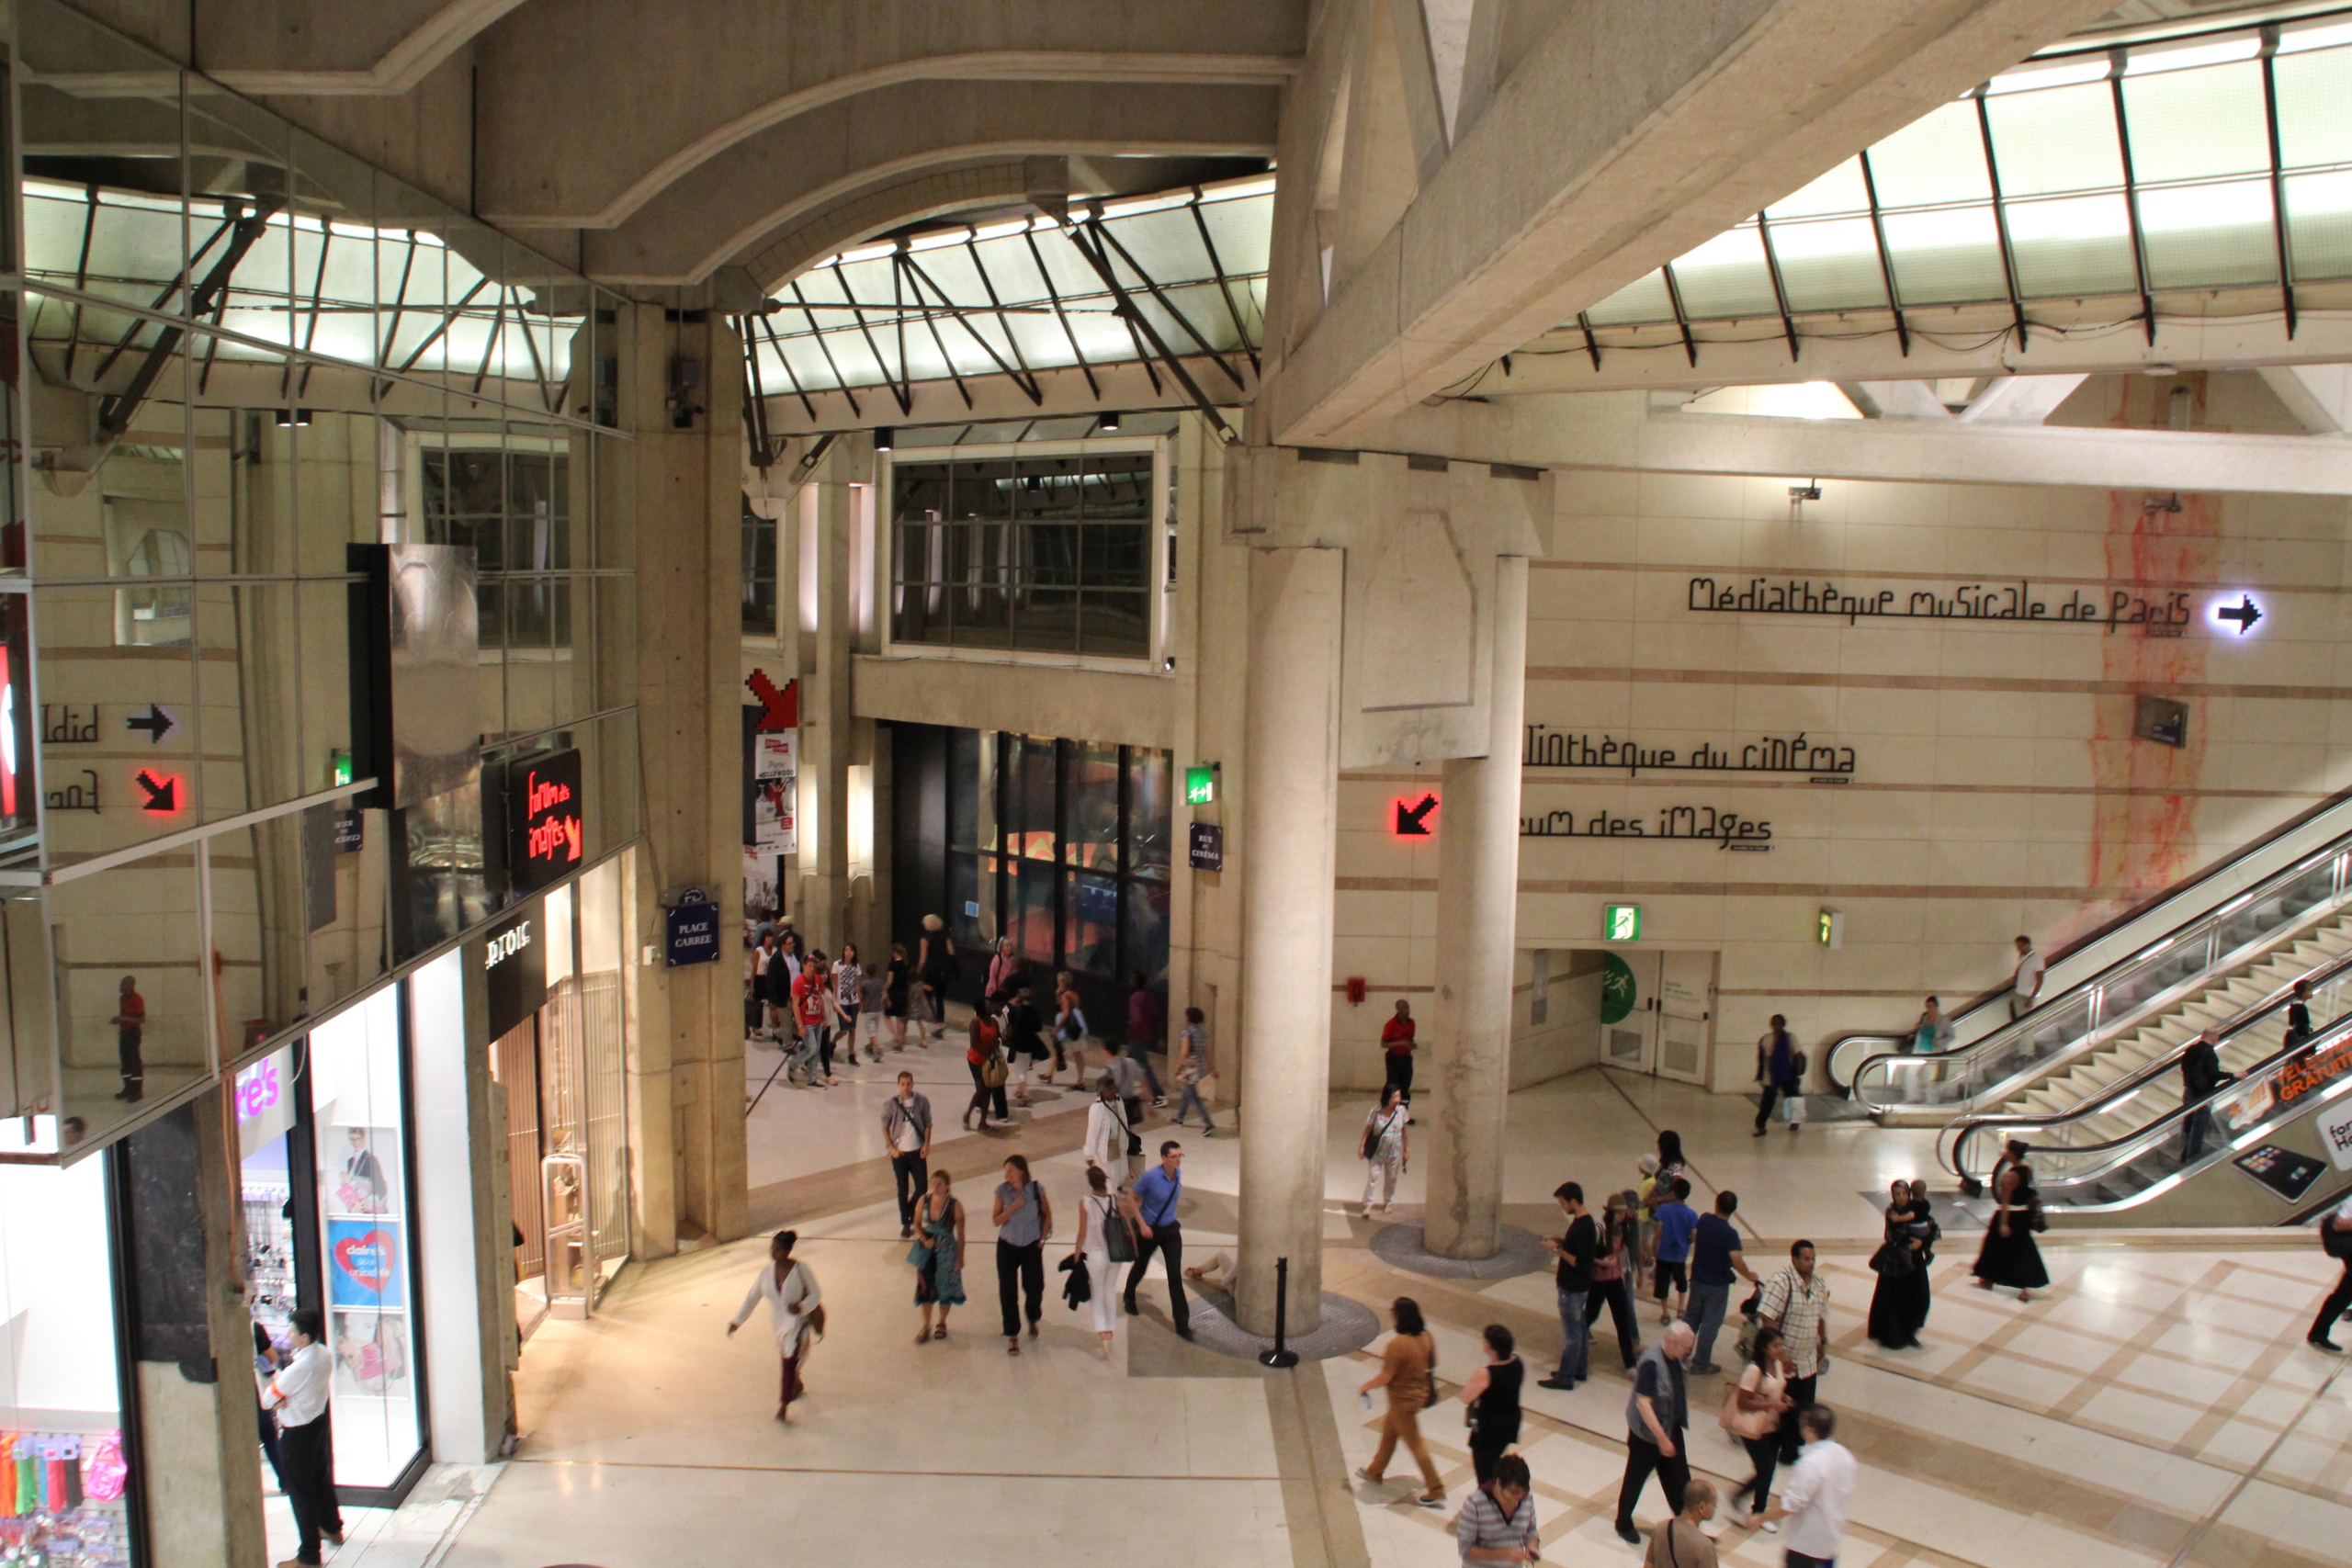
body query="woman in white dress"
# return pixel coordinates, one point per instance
(1093, 1247)
(795, 1312)
(1384, 1148)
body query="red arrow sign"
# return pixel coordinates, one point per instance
(783, 707)
(1413, 817)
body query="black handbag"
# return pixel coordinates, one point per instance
(1892, 1260)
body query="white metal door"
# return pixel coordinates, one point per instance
(1629, 1010)
(1686, 1009)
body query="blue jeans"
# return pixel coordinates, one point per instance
(1192, 1101)
(1139, 1053)
(1706, 1316)
(1574, 1367)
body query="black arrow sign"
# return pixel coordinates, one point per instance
(162, 794)
(1412, 821)
(154, 721)
(2245, 614)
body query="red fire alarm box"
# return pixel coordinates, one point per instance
(1355, 990)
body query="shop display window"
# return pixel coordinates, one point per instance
(360, 1127)
(61, 1490)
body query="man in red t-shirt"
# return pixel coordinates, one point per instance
(809, 990)
(1397, 1040)
(129, 1018)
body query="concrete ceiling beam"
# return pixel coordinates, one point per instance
(578, 130)
(2021, 400)
(725, 210)
(2319, 396)
(1619, 430)
(1621, 138)
(304, 48)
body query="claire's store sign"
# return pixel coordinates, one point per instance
(543, 808)
(515, 968)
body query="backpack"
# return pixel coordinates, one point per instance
(1119, 1234)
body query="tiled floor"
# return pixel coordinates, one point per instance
(2155, 1406)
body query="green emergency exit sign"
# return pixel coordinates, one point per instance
(1621, 922)
(1199, 784)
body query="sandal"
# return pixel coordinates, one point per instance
(940, 1332)
(923, 1334)
(1012, 1347)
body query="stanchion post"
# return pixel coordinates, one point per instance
(1281, 1355)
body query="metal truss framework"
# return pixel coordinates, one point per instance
(1147, 282)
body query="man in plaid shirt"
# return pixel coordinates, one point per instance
(1796, 1302)
(1497, 1522)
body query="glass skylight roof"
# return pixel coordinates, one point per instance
(1022, 296)
(2207, 162)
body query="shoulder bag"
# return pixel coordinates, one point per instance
(993, 1072)
(2336, 1243)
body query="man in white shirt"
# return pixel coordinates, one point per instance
(1814, 1499)
(906, 1127)
(2026, 986)
(298, 1394)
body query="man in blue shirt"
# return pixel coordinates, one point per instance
(1714, 1260)
(1676, 1220)
(1157, 1191)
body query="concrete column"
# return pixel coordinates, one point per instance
(1289, 813)
(822, 517)
(192, 1339)
(1477, 909)
(684, 489)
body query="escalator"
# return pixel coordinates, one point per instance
(2220, 959)
(2278, 1147)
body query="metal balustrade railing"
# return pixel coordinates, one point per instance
(1968, 1146)
(2123, 997)
(2118, 1173)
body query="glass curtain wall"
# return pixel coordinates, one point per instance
(245, 353)
(1046, 554)
(1061, 847)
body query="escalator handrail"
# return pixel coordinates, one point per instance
(2021, 1025)
(2121, 919)
(2139, 1139)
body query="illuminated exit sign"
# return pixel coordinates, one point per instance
(1621, 922)
(1200, 784)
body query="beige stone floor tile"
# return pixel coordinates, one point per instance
(2144, 1418)
(2035, 1387)
(2167, 1375)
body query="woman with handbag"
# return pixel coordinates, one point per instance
(1752, 1411)
(1613, 1283)
(1105, 1230)
(938, 1256)
(2009, 1259)
(1490, 1401)
(985, 1057)
(795, 1312)
(1898, 1264)
(1385, 1149)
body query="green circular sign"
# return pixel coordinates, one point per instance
(1618, 991)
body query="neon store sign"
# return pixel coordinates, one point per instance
(550, 837)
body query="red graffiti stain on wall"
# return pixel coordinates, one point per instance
(2142, 835)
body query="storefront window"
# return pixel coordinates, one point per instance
(61, 1410)
(602, 941)
(266, 1101)
(366, 1248)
